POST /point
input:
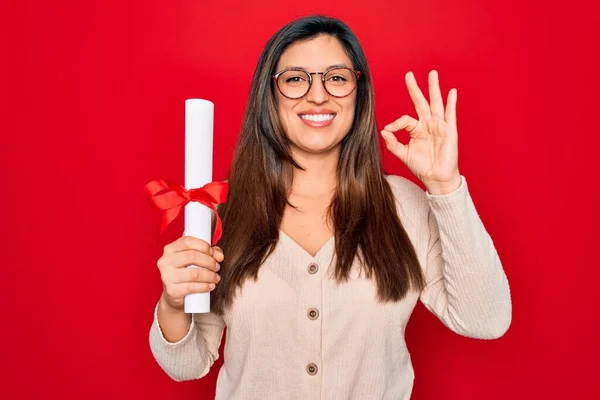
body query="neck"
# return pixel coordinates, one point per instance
(320, 173)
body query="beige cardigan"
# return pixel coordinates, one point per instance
(296, 334)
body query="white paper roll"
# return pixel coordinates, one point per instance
(199, 123)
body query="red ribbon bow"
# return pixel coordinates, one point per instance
(172, 197)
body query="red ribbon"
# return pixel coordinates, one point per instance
(172, 197)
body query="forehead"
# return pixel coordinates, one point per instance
(315, 54)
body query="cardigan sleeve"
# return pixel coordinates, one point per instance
(193, 355)
(466, 286)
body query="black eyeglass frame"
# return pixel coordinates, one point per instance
(276, 76)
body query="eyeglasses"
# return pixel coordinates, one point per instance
(295, 82)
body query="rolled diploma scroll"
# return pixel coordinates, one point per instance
(199, 119)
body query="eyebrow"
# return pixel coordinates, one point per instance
(326, 68)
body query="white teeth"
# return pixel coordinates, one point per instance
(318, 117)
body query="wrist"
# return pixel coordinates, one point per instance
(165, 307)
(444, 188)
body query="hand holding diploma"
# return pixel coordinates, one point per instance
(180, 281)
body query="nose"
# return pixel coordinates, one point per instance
(317, 93)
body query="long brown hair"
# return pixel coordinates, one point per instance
(363, 209)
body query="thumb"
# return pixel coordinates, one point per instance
(218, 253)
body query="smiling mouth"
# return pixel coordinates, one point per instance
(317, 117)
(317, 120)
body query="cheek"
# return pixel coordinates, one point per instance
(350, 111)
(285, 111)
(284, 118)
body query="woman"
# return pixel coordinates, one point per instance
(323, 257)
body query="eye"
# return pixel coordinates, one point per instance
(294, 79)
(337, 78)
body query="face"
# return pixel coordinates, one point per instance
(317, 122)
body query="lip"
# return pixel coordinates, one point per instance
(317, 111)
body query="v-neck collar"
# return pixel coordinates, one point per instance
(323, 251)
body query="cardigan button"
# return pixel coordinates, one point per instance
(313, 268)
(313, 313)
(312, 369)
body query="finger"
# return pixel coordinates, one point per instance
(451, 107)
(183, 275)
(404, 122)
(394, 146)
(182, 289)
(435, 95)
(197, 287)
(186, 258)
(417, 97)
(218, 254)
(188, 243)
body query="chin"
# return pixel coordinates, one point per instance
(317, 147)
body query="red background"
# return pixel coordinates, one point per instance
(92, 108)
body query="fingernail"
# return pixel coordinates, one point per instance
(218, 266)
(218, 278)
(211, 286)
